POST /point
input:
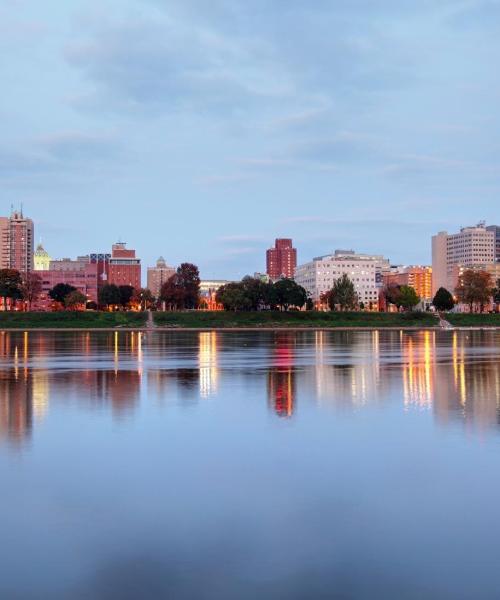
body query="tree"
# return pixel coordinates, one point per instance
(392, 295)
(408, 297)
(496, 293)
(75, 300)
(475, 288)
(343, 294)
(60, 291)
(109, 295)
(443, 300)
(289, 294)
(10, 285)
(171, 293)
(188, 280)
(126, 292)
(232, 296)
(31, 287)
(144, 298)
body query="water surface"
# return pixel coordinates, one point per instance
(249, 465)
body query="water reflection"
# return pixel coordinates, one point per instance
(455, 375)
(281, 375)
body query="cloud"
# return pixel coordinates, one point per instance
(77, 146)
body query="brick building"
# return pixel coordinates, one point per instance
(281, 260)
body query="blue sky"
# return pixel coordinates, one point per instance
(202, 129)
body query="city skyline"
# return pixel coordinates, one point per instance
(153, 121)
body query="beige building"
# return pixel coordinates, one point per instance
(16, 242)
(41, 259)
(158, 275)
(470, 247)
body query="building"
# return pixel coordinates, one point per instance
(281, 260)
(208, 292)
(102, 262)
(417, 277)
(158, 275)
(124, 266)
(83, 277)
(496, 231)
(16, 242)
(364, 270)
(67, 264)
(470, 247)
(41, 259)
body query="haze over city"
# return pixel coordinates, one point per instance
(203, 130)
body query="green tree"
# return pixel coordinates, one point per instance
(31, 287)
(60, 291)
(109, 295)
(443, 300)
(232, 296)
(75, 300)
(343, 294)
(496, 293)
(126, 292)
(144, 298)
(408, 297)
(475, 288)
(289, 294)
(10, 285)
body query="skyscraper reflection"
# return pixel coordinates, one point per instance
(419, 363)
(281, 375)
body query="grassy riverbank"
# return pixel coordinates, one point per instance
(473, 320)
(70, 320)
(197, 319)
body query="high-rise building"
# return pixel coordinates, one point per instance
(16, 242)
(496, 231)
(41, 259)
(158, 275)
(124, 267)
(471, 247)
(282, 259)
(364, 270)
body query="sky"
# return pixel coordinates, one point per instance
(200, 130)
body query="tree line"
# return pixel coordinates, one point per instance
(252, 294)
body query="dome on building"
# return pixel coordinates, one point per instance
(160, 263)
(40, 251)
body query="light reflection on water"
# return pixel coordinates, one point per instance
(319, 442)
(456, 375)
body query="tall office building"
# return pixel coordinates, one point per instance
(496, 231)
(471, 247)
(282, 259)
(16, 242)
(124, 266)
(158, 275)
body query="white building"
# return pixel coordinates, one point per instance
(470, 247)
(364, 270)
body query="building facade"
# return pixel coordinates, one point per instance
(417, 277)
(496, 232)
(471, 246)
(16, 242)
(83, 277)
(208, 292)
(364, 270)
(281, 261)
(41, 259)
(158, 275)
(124, 266)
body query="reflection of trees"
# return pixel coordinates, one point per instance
(281, 375)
